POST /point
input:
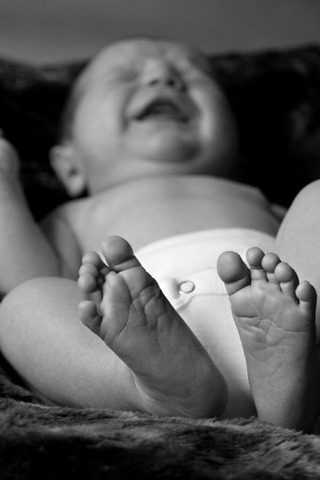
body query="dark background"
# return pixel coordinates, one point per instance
(55, 30)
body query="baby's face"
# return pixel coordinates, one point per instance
(151, 108)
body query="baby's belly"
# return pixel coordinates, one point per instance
(149, 210)
(185, 267)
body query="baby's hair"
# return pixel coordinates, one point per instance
(67, 117)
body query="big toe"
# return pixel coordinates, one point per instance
(233, 271)
(118, 253)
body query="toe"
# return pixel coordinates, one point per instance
(269, 263)
(287, 278)
(307, 297)
(233, 272)
(92, 258)
(87, 282)
(118, 254)
(254, 259)
(88, 269)
(132, 278)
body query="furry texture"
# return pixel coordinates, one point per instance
(45, 442)
(276, 100)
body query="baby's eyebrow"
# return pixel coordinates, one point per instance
(119, 69)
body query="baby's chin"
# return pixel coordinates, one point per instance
(190, 159)
(172, 145)
(166, 148)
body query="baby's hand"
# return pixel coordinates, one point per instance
(9, 160)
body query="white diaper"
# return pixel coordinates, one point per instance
(185, 268)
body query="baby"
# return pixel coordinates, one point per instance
(150, 135)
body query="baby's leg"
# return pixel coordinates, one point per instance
(57, 356)
(275, 317)
(125, 307)
(298, 239)
(44, 340)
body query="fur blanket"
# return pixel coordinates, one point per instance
(46, 442)
(275, 96)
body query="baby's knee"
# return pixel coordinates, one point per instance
(309, 195)
(36, 295)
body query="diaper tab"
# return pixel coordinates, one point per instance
(187, 286)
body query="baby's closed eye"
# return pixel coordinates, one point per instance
(122, 75)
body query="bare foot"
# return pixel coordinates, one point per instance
(275, 317)
(123, 304)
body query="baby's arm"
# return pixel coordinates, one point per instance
(58, 230)
(24, 250)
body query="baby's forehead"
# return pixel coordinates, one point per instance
(128, 52)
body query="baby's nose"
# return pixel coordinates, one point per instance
(162, 74)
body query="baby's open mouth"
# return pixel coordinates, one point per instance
(163, 109)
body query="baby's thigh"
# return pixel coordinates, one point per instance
(300, 229)
(34, 312)
(43, 339)
(298, 239)
(40, 330)
(44, 297)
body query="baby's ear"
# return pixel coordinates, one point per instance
(63, 162)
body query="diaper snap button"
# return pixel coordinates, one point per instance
(186, 287)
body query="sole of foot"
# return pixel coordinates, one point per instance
(275, 317)
(123, 304)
